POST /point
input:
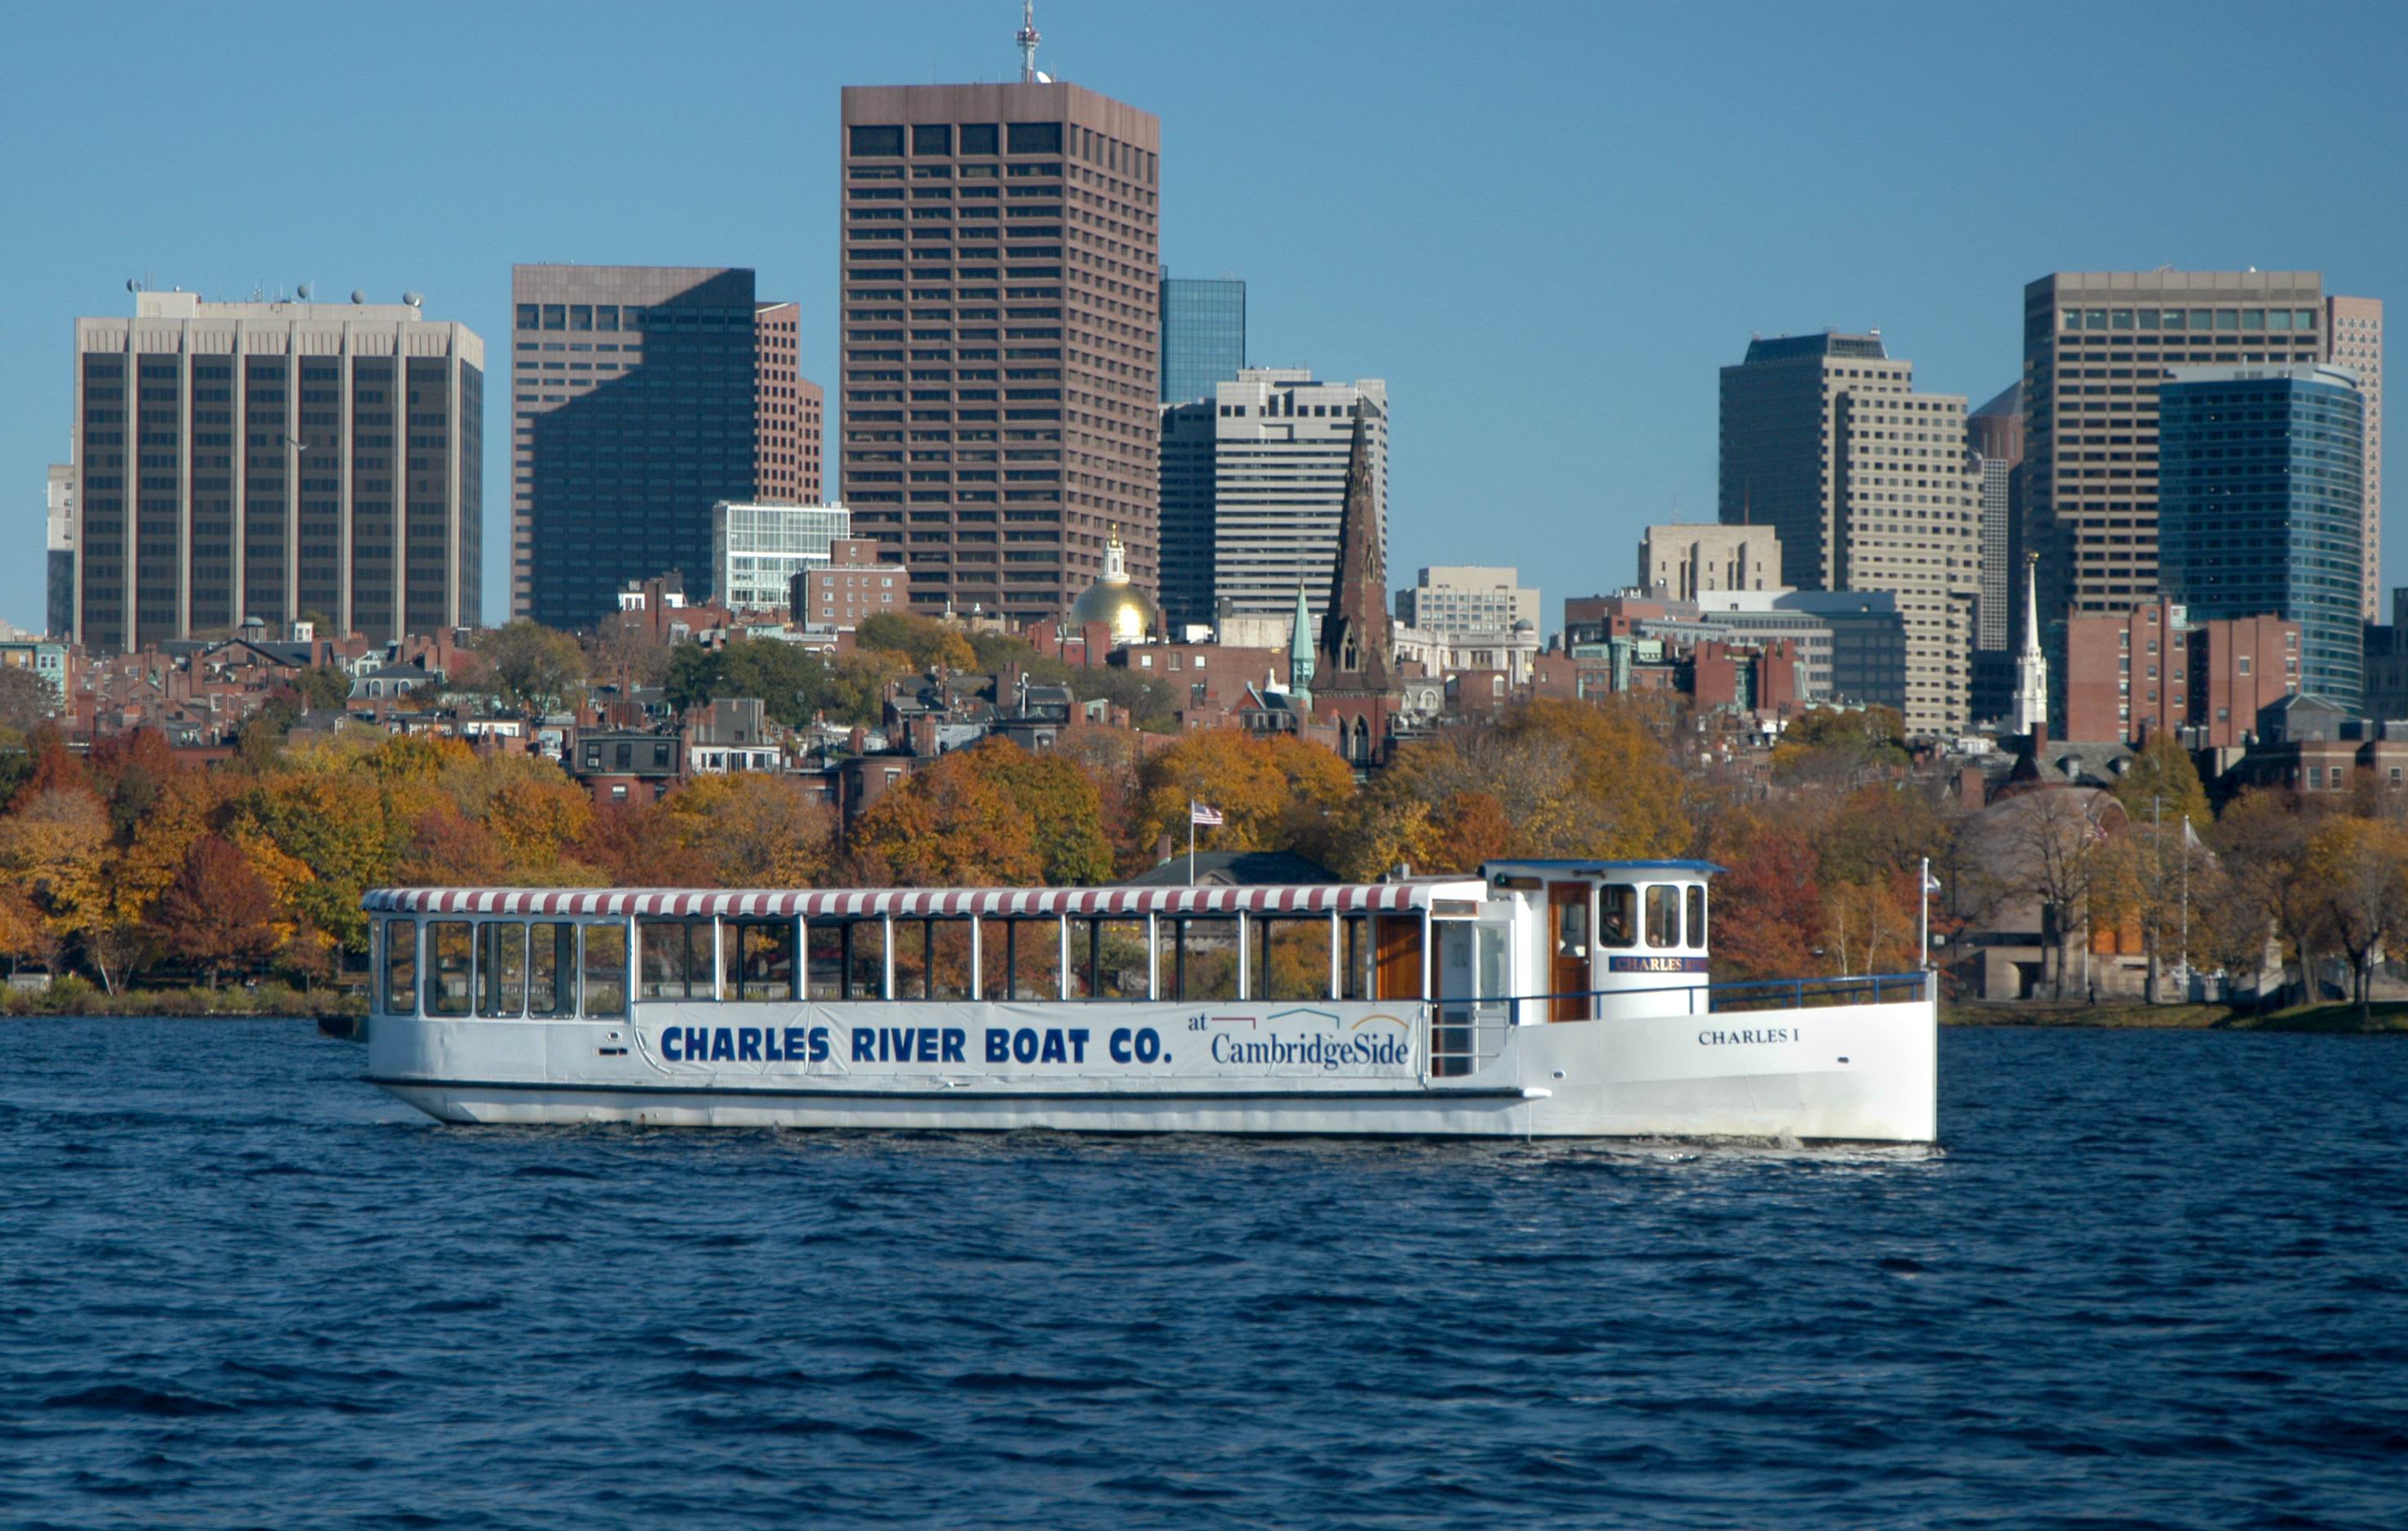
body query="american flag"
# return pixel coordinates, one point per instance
(1203, 813)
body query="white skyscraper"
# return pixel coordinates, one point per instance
(1281, 440)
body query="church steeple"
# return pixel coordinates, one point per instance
(1299, 654)
(1354, 651)
(2032, 669)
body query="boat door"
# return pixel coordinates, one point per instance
(1568, 938)
(1467, 1025)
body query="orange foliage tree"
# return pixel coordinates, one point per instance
(218, 914)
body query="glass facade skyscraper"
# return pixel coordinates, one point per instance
(2261, 505)
(1203, 337)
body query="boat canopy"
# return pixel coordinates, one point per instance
(925, 903)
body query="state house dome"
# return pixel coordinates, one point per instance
(1120, 606)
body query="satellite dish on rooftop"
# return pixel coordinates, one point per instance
(416, 300)
(305, 292)
(358, 296)
(132, 284)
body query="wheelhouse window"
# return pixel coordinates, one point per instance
(1617, 918)
(400, 967)
(552, 969)
(449, 962)
(760, 959)
(501, 969)
(679, 961)
(1663, 915)
(1697, 918)
(606, 970)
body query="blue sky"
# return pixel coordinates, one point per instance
(1545, 225)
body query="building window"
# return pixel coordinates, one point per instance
(2244, 664)
(932, 138)
(1032, 138)
(875, 140)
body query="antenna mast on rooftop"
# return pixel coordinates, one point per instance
(1027, 40)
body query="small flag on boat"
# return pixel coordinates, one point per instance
(1203, 813)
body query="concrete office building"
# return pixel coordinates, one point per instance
(757, 551)
(1680, 562)
(638, 400)
(2262, 501)
(1869, 487)
(275, 459)
(1468, 599)
(786, 408)
(2353, 340)
(1281, 439)
(1203, 336)
(60, 524)
(1851, 646)
(1001, 337)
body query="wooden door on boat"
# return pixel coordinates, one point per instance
(1400, 956)
(1568, 934)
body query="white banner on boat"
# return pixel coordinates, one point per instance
(952, 1043)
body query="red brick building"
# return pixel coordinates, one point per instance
(2144, 671)
(854, 587)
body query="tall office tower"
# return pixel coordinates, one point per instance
(2095, 345)
(1681, 562)
(60, 506)
(1001, 340)
(1869, 486)
(1281, 446)
(276, 460)
(785, 411)
(1188, 442)
(1994, 433)
(1203, 336)
(633, 411)
(2261, 507)
(2354, 340)
(1468, 599)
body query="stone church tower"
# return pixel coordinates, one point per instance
(1354, 669)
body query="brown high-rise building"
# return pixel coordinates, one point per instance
(277, 460)
(2354, 340)
(785, 411)
(2097, 347)
(1001, 337)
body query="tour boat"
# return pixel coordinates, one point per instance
(1538, 1000)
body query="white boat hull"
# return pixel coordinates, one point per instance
(1858, 1073)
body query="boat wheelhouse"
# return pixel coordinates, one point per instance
(1541, 998)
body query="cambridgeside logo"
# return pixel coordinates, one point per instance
(1308, 1038)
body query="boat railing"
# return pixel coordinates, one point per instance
(1798, 993)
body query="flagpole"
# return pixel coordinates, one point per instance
(1924, 889)
(1191, 842)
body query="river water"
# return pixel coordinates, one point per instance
(2153, 1279)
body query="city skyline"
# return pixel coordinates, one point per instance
(1641, 271)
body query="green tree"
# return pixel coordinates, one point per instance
(528, 667)
(925, 643)
(692, 674)
(791, 681)
(2161, 784)
(323, 688)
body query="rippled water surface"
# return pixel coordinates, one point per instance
(2154, 1279)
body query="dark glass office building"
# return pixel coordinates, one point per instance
(2261, 504)
(1203, 337)
(278, 460)
(633, 394)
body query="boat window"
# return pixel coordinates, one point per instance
(1400, 956)
(932, 959)
(1697, 916)
(1618, 919)
(1355, 956)
(1200, 957)
(864, 960)
(1663, 914)
(1108, 959)
(606, 970)
(824, 960)
(1292, 958)
(1020, 959)
(448, 965)
(552, 969)
(760, 959)
(678, 960)
(501, 969)
(400, 967)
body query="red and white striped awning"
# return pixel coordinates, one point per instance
(856, 903)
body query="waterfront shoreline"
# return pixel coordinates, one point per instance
(2388, 1017)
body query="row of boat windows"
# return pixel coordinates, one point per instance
(1619, 922)
(560, 969)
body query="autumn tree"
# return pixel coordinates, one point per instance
(1274, 794)
(1061, 803)
(752, 829)
(948, 825)
(1867, 927)
(2264, 838)
(2142, 880)
(1841, 747)
(1573, 779)
(1769, 906)
(2041, 848)
(2359, 868)
(26, 699)
(923, 643)
(218, 914)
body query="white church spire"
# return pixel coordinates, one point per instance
(2031, 670)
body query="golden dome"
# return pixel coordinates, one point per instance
(1120, 606)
